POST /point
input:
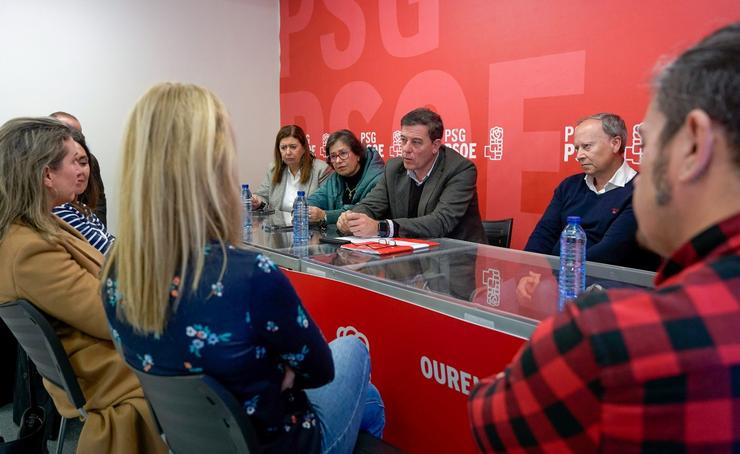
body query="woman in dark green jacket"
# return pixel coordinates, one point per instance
(356, 170)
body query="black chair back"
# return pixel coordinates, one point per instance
(41, 343)
(198, 415)
(498, 232)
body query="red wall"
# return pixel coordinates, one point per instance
(529, 67)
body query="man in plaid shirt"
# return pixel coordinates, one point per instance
(628, 370)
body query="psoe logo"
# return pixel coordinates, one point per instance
(350, 330)
(395, 148)
(323, 150)
(495, 148)
(633, 152)
(444, 374)
(492, 282)
(456, 138)
(370, 139)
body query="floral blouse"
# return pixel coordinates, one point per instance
(242, 328)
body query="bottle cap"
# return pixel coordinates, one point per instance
(574, 219)
(245, 186)
(301, 193)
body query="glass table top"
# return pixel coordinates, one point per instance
(472, 276)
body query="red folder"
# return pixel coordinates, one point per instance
(387, 246)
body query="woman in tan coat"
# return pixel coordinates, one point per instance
(44, 260)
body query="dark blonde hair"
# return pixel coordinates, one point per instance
(27, 147)
(297, 133)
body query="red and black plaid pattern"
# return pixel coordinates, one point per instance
(630, 371)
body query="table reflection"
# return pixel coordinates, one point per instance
(485, 277)
(273, 230)
(424, 270)
(526, 284)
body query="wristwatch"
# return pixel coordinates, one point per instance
(383, 228)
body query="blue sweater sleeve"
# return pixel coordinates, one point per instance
(286, 329)
(546, 234)
(618, 242)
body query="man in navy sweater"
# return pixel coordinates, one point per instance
(601, 196)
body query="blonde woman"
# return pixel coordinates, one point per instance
(294, 169)
(49, 263)
(183, 297)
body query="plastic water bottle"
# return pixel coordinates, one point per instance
(247, 207)
(572, 279)
(300, 219)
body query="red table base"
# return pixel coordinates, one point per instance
(423, 362)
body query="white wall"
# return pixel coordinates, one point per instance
(95, 58)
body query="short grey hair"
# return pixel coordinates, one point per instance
(613, 126)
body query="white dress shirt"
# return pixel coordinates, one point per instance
(292, 186)
(412, 174)
(621, 177)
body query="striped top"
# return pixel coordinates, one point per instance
(89, 226)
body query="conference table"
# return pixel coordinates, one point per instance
(435, 321)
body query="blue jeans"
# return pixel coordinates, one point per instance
(349, 403)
